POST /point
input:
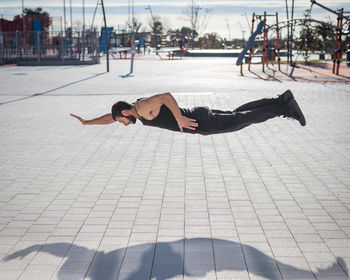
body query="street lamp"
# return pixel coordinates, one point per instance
(150, 10)
(131, 11)
(71, 17)
(194, 18)
(153, 24)
(24, 23)
(83, 18)
(23, 12)
(64, 17)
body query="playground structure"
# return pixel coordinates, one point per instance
(266, 53)
(265, 48)
(342, 28)
(338, 44)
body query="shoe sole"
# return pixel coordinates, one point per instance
(300, 113)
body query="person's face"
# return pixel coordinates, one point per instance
(124, 120)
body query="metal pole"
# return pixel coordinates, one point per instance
(17, 48)
(62, 48)
(339, 55)
(71, 17)
(278, 43)
(335, 46)
(251, 50)
(330, 10)
(61, 25)
(192, 24)
(288, 32)
(150, 10)
(106, 34)
(291, 34)
(338, 44)
(83, 35)
(24, 23)
(71, 29)
(93, 18)
(264, 58)
(64, 17)
(129, 13)
(132, 55)
(133, 15)
(38, 45)
(79, 48)
(83, 16)
(228, 28)
(153, 25)
(132, 39)
(1, 49)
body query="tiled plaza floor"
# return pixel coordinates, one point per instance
(271, 201)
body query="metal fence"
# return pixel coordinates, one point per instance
(41, 47)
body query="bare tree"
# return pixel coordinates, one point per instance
(156, 24)
(135, 25)
(198, 18)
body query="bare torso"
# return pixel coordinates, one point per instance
(147, 108)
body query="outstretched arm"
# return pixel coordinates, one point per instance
(105, 119)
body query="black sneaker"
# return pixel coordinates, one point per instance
(292, 110)
(285, 97)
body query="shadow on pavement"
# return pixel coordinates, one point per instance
(269, 78)
(129, 75)
(54, 89)
(318, 73)
(163, 260)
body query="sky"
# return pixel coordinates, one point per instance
(228, 18)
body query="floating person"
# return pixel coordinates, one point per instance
(162, 111)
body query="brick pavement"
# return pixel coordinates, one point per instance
(107, 202)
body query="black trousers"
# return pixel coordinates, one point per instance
(211, 121)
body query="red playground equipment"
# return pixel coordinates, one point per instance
(265, 47)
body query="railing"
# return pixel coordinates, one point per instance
(53, 46)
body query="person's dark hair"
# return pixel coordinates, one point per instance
(118, 107)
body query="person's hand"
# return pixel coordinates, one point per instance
(22, 253)
(79, 119)
(185, 122)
